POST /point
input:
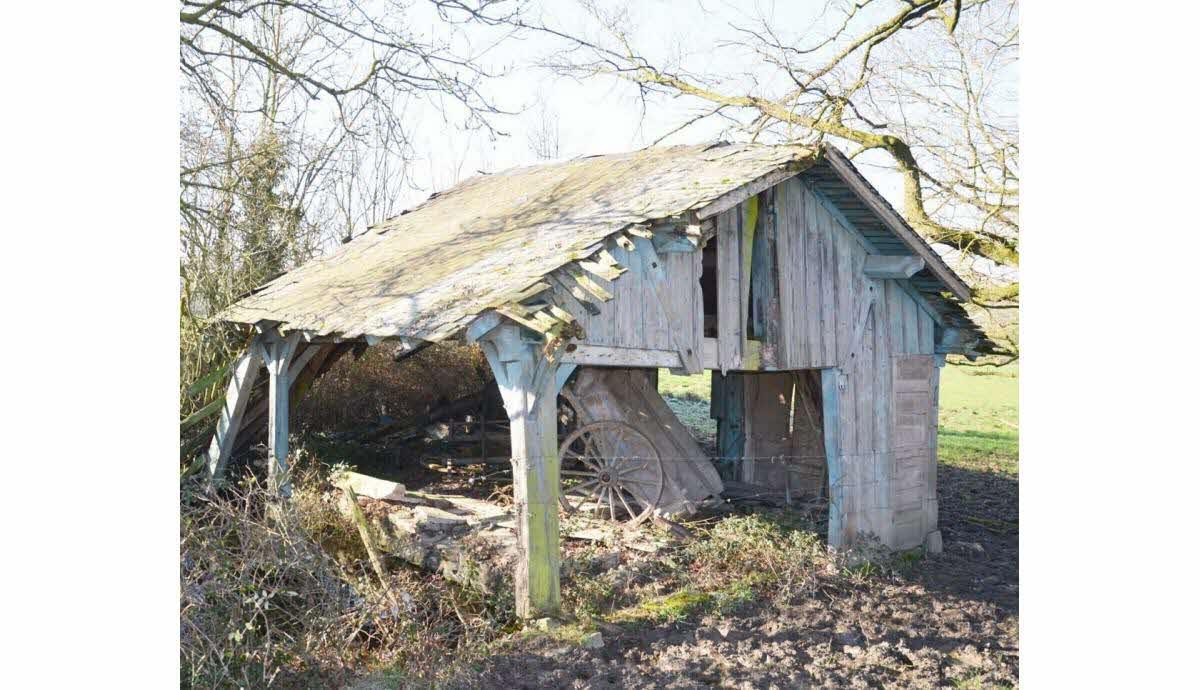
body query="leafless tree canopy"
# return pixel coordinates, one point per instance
(928, 83)
(295, 131)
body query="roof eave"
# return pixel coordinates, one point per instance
(845, 170)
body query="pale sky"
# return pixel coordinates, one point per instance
(603, 115)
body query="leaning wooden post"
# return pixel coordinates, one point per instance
(277, 354)
(529, 385)
(238, 394)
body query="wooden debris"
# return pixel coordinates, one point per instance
(364, 533)
(371, 487)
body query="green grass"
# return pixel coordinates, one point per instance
(698, 387)
(977, 420)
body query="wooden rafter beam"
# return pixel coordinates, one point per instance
(896, 267)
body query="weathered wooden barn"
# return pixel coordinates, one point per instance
(823, 316)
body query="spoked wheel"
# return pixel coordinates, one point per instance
(610, 470)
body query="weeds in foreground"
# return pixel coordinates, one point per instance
(282, 596)
(763, 557)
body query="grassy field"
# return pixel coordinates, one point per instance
(977, 422)
(977, 425)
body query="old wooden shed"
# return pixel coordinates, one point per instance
(823, 315)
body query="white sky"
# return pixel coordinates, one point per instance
(602, 115)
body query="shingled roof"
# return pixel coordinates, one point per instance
(427, 273)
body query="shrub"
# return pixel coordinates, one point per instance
(261, 602)
(759, 552)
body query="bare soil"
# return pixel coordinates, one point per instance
(943, 621)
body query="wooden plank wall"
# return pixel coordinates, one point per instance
(636, 317)
(821, 278)
(823, 295)
(824, 323)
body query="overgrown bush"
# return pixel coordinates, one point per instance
(757, 552)
(261, 602)
(285, 596)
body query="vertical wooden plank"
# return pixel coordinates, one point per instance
(731, 433)
(278, 356)
(784, 230)
(828, 289)
(881, 411)
(845, 294)
(864, 371)
(729, 291)
(245, 372)
(831, 417)
(931, 496)
(912, 341)
(812, 282)
(746, 240)
(656, 297)
(792, 270)
(881, 370)
(895, 317)
(697, 300)
(926, 330)
(627, 294)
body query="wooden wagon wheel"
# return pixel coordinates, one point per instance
(626, 486)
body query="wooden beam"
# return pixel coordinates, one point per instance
(528, 383)
(709, 357)
(896, 267)
(883, 210)
(605, 356)
(277, 354)
(860, 327)
(668, 242)
(236, 397)
(833, 461)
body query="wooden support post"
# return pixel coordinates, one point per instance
(829, 415)
(240, 384)
(277, 353)
(728, 401)
(529, 385)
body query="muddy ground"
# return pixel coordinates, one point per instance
(943, 621)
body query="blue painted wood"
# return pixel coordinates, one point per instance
(482, 325)
(561, 374)
(665, 243)
(731, 429)
(830, 418)
(917, 297)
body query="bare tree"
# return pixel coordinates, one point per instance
(543, 132)
(923, 82)
(294, 132)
